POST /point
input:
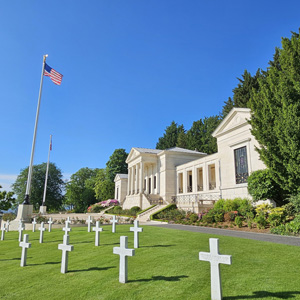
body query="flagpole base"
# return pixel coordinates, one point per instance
(43, 209)
(24, 215)
(26, 200)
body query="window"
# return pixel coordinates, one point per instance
(154, 183)
(241, 165)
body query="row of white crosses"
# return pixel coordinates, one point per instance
(114, 221)
(50, 222)
(214, 257)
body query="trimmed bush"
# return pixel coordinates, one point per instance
(261, 186)
(135, 209)
(8, 217)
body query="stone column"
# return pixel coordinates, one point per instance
(205, 178)
(132, 179)
(136, 178)
(128, 183)
(141, 177)
(147, 182)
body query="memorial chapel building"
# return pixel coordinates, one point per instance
(191, 178)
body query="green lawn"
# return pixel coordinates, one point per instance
(166, 266)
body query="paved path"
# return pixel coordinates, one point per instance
(273, 238)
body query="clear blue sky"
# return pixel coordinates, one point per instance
(130, 68)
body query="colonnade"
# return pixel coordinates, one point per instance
(143, 177)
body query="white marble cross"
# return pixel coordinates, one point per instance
(33, 224)
(124, 252)
(25, 245)
(97, 230)
(136, 229)
(7, 226)
(20, 229)
(89, 221)
(50, 224)
(65, 247)
(114, 221)
(42, 229)
(3, 229)
(215, 260)
(67, 228)
(68, 221)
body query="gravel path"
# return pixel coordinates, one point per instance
(273, 238)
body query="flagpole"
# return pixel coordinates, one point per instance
(27, 193)
(47, 171)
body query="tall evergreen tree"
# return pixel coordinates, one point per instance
(276, 116)
(243, 92)
(170, 137)
(199, 137)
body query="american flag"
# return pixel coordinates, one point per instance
(54, 75)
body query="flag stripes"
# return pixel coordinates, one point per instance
(54, 75)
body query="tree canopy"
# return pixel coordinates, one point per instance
(200, 137)
(116, 164)
(276, 115)
(55, 186)
(80, 191)
(104, 187)
(242, 93)
(170, 137)
(6, 200)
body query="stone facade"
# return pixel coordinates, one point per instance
(193, 179)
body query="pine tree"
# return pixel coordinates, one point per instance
(170, 137)
(276, 116)
(199, 137)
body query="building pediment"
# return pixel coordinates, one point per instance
(121, 177)
(135, 152)
(236, 118)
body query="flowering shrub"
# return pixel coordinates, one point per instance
(97, 207)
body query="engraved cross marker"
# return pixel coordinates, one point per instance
(215, 260)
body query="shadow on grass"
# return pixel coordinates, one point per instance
(91, 269)
(10, 259)
(265, 294)
(156, 246)
(84, 242)
(161, 278)
(46, 263)
(49, 242)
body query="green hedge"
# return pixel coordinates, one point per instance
(145, 209)
(168, 207)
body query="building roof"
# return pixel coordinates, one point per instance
(182, 150)
(147, 150)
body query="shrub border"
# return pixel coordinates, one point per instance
(157, 212)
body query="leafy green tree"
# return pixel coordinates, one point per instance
(104, 187)
(276, 116)
(116, 164)
(6, 200)
(55, 186)
(200, 135)
(80, 191)
(170, 137)
(261, 186)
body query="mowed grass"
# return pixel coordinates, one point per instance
(166, 266)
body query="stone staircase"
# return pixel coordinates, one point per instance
(145, 216)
